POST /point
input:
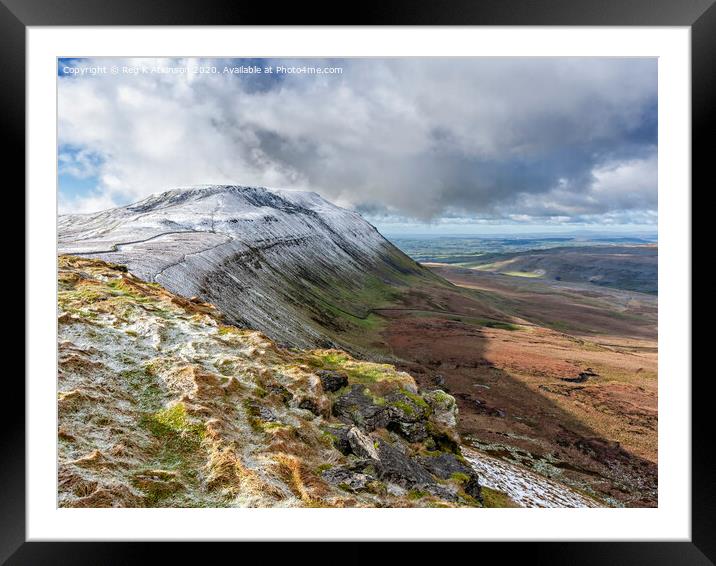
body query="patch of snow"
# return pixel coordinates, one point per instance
(523, 486)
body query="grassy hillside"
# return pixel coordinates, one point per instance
(162, 404)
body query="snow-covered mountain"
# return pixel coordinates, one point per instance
(286, 262)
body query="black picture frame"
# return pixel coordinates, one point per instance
(699, 15)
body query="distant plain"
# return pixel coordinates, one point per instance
(556, 373)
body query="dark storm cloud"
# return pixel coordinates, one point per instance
(419, 138)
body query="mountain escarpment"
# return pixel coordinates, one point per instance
(300, 269)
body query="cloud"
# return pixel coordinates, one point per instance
(510, 138)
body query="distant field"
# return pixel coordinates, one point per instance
(557, 377)
(632, 268)
(620, 263)
(465, 249)
(577, 308)
(550, 347)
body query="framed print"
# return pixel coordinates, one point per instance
(376, 282)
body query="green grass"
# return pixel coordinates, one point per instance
(366, 374)
(147, 390)
(121, 288)
(357, 372)
(174, 422)
(460, 477)
(528, 274)
(329, 360)
(178, 438)
(177, 449)
(492, 498)
(415, 494)
(82, 294)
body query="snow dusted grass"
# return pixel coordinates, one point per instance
(163, 404)
(522, 486)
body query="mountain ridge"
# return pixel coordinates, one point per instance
(286, 262)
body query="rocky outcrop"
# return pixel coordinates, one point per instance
(446, 465)
(361, 444)
(395, 438)
(332, 380)
(360, 408)
(163, 404)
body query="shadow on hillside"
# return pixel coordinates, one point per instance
(503, 416)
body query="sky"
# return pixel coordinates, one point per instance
(416, 145)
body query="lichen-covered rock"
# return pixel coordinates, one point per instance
(447, 492)
(412, 432)
(358, 407)
(407, 407)
(408, 415)
(338, 434)
(396, 467)
(309, 405)
(347, 479)
(444, 407)
(332, 380)
(472, 487)
(361, 444)
(446, 466)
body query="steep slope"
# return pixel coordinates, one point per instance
(286, 262)
(162, 404)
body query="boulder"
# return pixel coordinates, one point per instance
(339, 434)
(472, 487)
(447, 492)
(406, 408)
(309, 405)
(407, 413)
(347, 478)
(395, 467)
(361, 444)
(332, 380)
(446, 465)
(412, 432)
(358, 407)
(444, 407)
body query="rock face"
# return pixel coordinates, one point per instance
(163, 405)
(332, 380)
(358, 407)
(288, 263)
(361, 444)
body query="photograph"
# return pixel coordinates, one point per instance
(412, 282)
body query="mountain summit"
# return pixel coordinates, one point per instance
(286, 262)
